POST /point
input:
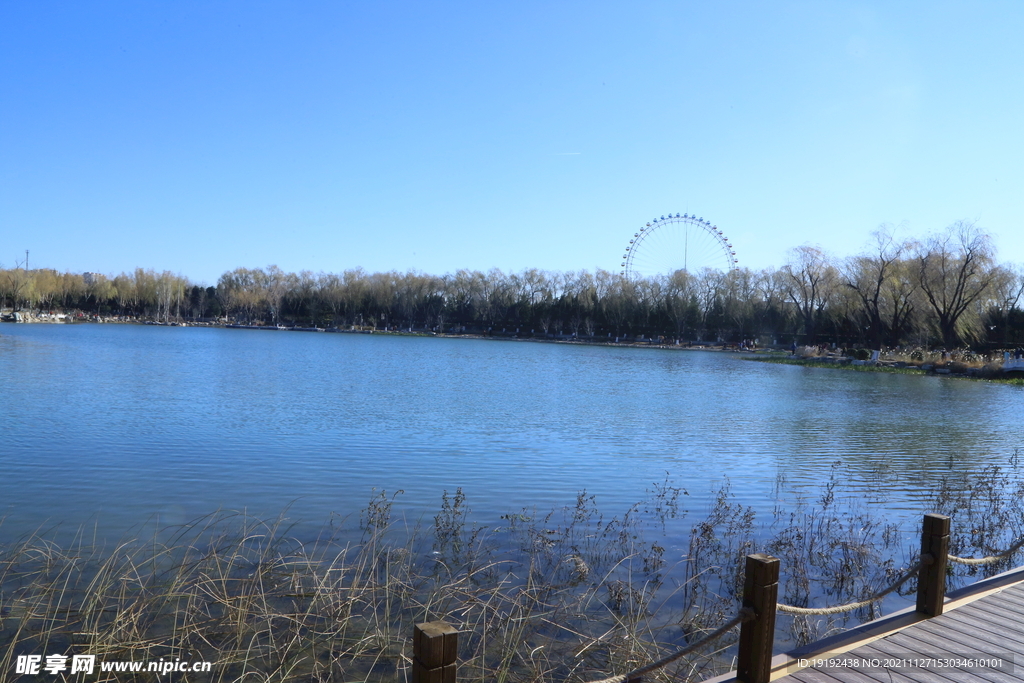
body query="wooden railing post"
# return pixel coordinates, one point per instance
(931, 581)
(435, 645)
(760, 593)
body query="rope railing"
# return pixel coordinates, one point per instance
(849, 607)
(912, 572)
(744, 615)
(991, 559)
(435, 644)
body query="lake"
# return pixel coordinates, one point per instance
(122, 426)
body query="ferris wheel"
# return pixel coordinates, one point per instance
(672, 243)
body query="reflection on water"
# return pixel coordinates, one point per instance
(122, 424)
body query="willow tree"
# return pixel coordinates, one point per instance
(708, 289)
(873, 277)
(809, 281)
(1002, 312)
(47, 287)
(14, 284)
(954, 269)
(680, 300)
(240, 292)
(72, 288)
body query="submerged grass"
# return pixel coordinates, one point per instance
(565, 596)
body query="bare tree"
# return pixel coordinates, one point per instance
(16, 282)
(617, 304)
(1003, 301)
(679, 300)
(809, 281)
(870, 276)
(240, 293)
(276, 284)
(72, 288)
(954, 269)
(708, 288)
(101, 290)
(903, 300)
(47, 287)
(769, 295)
(741, 286)
(649, 296)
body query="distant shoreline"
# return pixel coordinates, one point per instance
(547, 339)
(950, 369)
(777, 355)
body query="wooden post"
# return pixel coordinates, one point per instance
(435, 646)
(931, 581)
(760, 593)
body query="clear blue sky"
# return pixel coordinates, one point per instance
(198, 137)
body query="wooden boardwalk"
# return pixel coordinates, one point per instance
(983, 621)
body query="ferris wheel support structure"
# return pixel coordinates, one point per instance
(677, 242)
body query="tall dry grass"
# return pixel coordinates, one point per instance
(569, 595)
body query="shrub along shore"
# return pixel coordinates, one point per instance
(961, 363)
(946, 290)
(568, 595)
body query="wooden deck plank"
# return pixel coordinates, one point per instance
(1017, 589)
(992, 625)
(987, 626)
(845, 675)
(885, 648)
(936, 645)
(812, 675)
(1012, 598)
(879, 649)
(993, 611)
(985, 618)
(949, 639)
(841, 676)
(1009, 620)
(1011, 601)
(974, 625)
(1015, 593)
(821, 676)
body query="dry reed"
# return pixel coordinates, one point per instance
(569, 595)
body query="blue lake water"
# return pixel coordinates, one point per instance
(119, 426)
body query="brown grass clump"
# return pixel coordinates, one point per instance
(570, 595)
(566, 596)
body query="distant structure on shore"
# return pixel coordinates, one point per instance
(677, 242)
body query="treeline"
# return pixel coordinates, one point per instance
(946, 289)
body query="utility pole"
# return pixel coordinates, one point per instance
(26, 259)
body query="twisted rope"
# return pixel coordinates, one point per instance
(745, 614)
(991, 559)
(855, 605)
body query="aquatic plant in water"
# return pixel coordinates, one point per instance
(569, 594)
